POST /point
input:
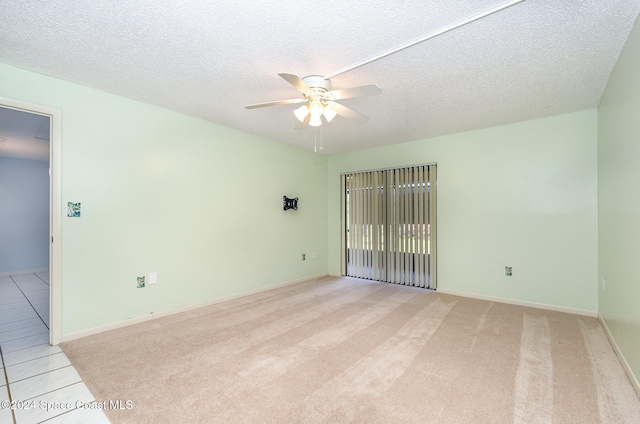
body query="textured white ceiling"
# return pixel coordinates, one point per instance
(211, 58)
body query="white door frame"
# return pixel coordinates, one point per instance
(55, 210)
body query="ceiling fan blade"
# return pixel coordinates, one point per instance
(276, 103)
(361, 91)
(349, 113)
(295, 81)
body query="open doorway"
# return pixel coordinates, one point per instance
(30, 139)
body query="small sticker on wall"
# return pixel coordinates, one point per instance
(73, 210)
(140, 282)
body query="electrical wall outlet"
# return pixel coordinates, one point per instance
(153, 278)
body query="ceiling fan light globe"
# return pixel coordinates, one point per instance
(301, 112)
(316, 109)
(315, 121)
(329, 113)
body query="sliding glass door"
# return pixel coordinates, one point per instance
(389, 231)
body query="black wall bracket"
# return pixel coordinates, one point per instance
(290, 203)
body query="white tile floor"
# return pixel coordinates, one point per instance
(38, 384)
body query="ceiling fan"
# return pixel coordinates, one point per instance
(320, 101)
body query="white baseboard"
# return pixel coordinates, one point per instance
(155, 315)
(27, 271)
(583, 312)
(632, 378)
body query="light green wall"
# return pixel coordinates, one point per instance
(198, 203)
(521, 195)
(619, 202)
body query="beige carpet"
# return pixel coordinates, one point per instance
(339, 350)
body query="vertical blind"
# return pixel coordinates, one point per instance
(389, 225)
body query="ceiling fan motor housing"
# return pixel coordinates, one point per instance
(317, 82)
